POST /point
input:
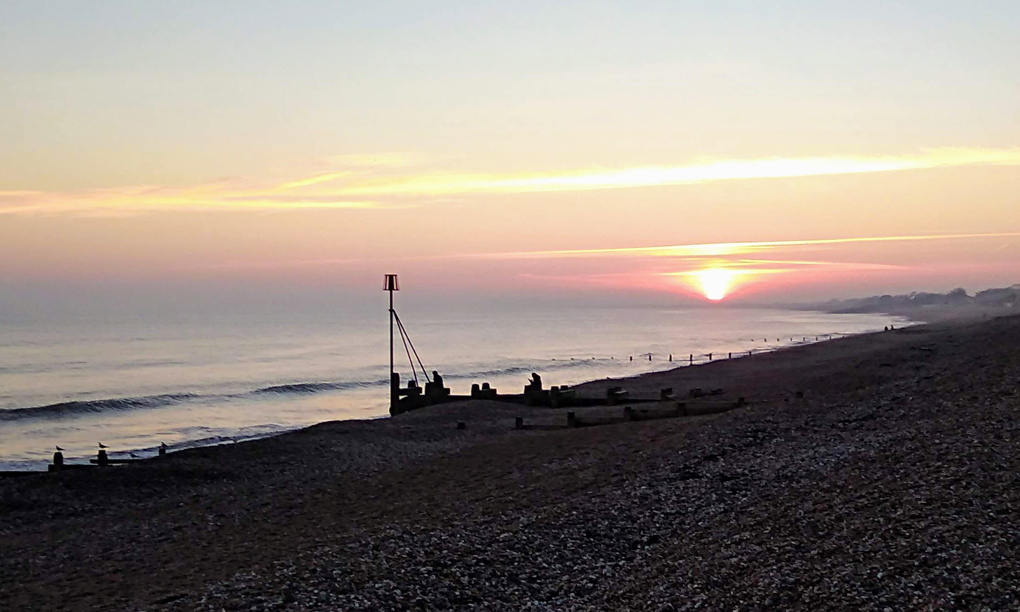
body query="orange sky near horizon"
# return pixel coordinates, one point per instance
(521, 241)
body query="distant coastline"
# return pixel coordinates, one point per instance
(931, 307)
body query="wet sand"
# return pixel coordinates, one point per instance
(891, 483)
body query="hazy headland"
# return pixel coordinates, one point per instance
(929, 307)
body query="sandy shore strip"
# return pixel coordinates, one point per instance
(891, 481)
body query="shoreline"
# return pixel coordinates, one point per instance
(79, 458)
(343, 514)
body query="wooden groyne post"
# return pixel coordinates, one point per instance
(390, 285)
(58, 462)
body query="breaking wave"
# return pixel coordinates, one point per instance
(95, 406)
(85, 407)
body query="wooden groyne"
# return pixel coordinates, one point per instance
(414, 397)
(101, 460)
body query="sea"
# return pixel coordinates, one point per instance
(134, 383)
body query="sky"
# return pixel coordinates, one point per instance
(576, 151)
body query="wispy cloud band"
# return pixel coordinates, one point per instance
(388, 179)
(718, 249)
(658, 176)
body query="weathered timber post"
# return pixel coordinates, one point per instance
(519, 423)
(571, 419)
(390, 285)
(394, 392)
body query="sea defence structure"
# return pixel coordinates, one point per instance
(412, 397)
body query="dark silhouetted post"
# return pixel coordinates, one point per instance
(390, 285)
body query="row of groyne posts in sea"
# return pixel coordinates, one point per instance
(708, 357)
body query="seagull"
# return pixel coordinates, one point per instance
(58, 448)
(101, 445)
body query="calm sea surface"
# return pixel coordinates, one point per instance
(132, 385)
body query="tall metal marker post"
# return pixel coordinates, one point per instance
(390, 284)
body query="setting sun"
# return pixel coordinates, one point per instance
(715, 282)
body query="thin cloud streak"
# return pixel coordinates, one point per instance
(382, 181)
(657, 176)
(210, 198)
(314, 180)
(720, 249)
(698, 255)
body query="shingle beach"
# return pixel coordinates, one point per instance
(877, 472)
